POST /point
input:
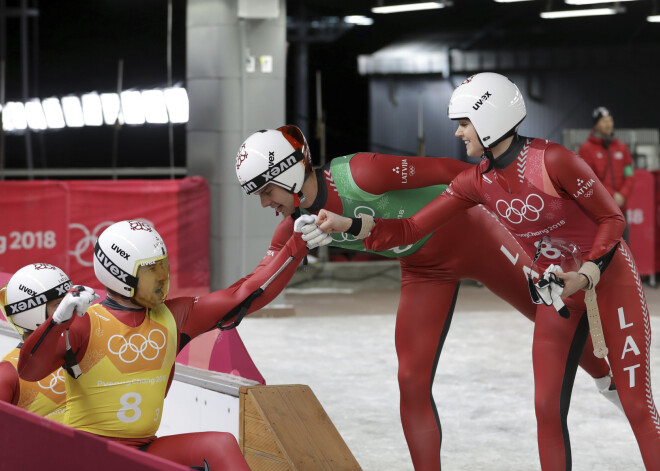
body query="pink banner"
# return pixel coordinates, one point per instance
(59, 222)
(33, 223)
(641, 219)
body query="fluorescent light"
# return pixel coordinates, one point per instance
(177, 104)
(7, 125)
(359, 20)
(92, 109)
(53, 112)
(15, 112)
(408, 7)
(73, 114)
(511, 1)
(653, 19)
(35, 115)
(110, 105)
(132, 108)
(551, 15)
(593, 2)
(155, 110)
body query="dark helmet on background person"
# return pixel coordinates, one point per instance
(25, 297)
(280, 156)
(121, 250)
(599, 112)
(492, 103)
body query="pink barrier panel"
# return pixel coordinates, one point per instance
(30, 441)
(59, 222)
(221, 351)
(641, 219)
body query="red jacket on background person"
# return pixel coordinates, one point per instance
(611, 163)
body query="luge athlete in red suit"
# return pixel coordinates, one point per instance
(125, 346)
(540, 188)
(276, 166)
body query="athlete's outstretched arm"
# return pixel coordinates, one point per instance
(388, 233)
(202, 314)
(380, 173)
(10, 388)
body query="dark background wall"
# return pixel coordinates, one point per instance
(75, 47)
(555, 100)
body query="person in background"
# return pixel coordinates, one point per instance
(610, 159)
(29, 298)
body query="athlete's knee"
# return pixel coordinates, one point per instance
(547, 408)
(413, 383)
(223, 439)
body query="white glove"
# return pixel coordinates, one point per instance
(78, 299)
(315, 237)
(550, 288)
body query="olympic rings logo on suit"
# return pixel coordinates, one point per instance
(55, 379)
(517, 210)
(137, 349)
(89, 239)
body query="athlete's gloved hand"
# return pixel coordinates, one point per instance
(78, 299)
(315, 237)
(550, 288)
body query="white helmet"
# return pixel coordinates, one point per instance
(121, 249)
(29, 290)
(492, 103)
(279, 156)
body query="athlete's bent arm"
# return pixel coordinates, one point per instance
(43, 351)
(566, 171)
(572, 178)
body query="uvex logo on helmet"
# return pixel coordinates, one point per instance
(27, 290)
(120, 251)
(113, 269)
(273, 171)
(37, 299)
(484, 98)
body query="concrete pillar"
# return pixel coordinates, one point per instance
(228, 103)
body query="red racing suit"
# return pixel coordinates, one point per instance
(611, 163)
(473, 246)
(540, 188)
(193, 316)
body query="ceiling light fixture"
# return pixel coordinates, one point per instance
(410, 7)
(157, 106)
(358, 20)
(653, 19)
(593, 2)
(551, 15)
(511, 1)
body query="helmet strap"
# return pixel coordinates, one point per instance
(488, 154)
(296, 213)
(296, 204)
